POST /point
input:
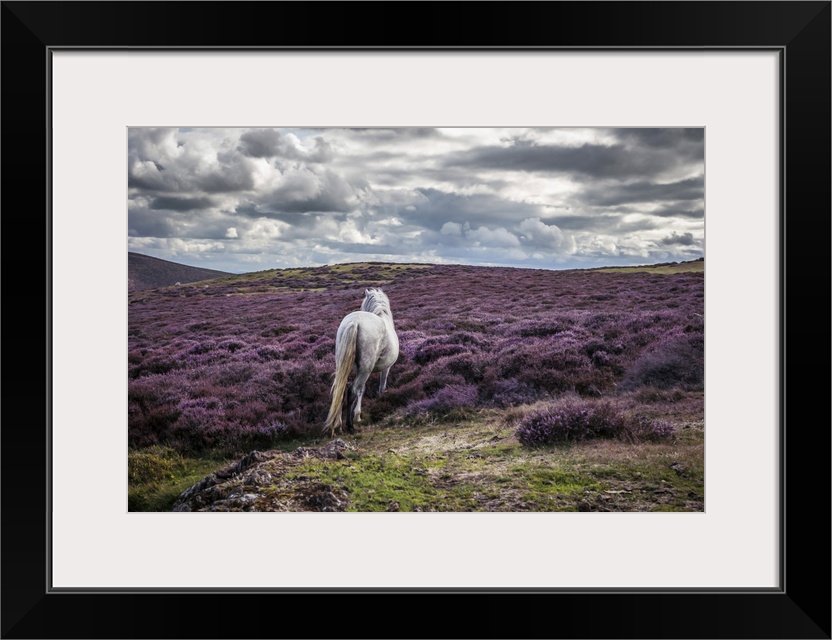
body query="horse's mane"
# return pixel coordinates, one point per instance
(375, 301)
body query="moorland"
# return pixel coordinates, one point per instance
(515, 390)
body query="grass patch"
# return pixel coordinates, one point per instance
(157, 475)
(389, 483)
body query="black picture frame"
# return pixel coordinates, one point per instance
(799, 31)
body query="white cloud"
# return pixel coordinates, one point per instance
(264, 229)
(195, 246)
(498, 237)
(451, 229)
(540, 235)
(482, 236)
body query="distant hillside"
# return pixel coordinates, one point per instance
(697, 265)
(145, 272)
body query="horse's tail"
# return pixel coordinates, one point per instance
(343, 365)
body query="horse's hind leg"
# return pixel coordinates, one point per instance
(356, 393)
(350, 428)
(382, 382)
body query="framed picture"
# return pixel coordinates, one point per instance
(754, 76)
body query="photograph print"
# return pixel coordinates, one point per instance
(416, 319)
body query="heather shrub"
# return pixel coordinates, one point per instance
(203, 347)
(395, 398)
(554, 366)
(446, 400)
(151, 408)
(540, 329)
(199, 424)
(473, 367)
(434, 349)
(510, 392)
(441, 379)
(676, 360)
(150, 362)
(235, 373)
(652, 395)
(310, 378)
(410, 341)
(274, 332)
(231, 345)
(206, 425)
(576, 421)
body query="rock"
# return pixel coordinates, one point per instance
(333, 450)
(261, 481)
(324, 497)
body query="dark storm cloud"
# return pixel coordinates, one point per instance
(172, 224)
(249, 210)
(643, 224)
(309, 190)
(141, 222)
(601, 222)
(679, 211)
(299, 220)
(301, 194)
(397, 134)
(158, 164)
(687, 141)
(445, 178)
(148, 181)
(268, 143)
(144, 154)
(435, 208)
(144, 142)
(636, 152)
(235, 173)
(172, 203)
(682, 239)
(643, 191)
(589, 160)
(324, 201)
(450, 178)
(261, 143)
(593, 222)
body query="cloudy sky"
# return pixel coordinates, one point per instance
(243, 200)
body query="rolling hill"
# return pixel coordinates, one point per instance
(146, 272)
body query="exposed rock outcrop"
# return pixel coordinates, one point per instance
(263, 481)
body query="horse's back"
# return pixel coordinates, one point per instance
(376, 341)
(362, 319)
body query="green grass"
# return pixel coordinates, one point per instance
(388, 482)
(157, 475)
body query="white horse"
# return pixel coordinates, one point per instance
(368, 339)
